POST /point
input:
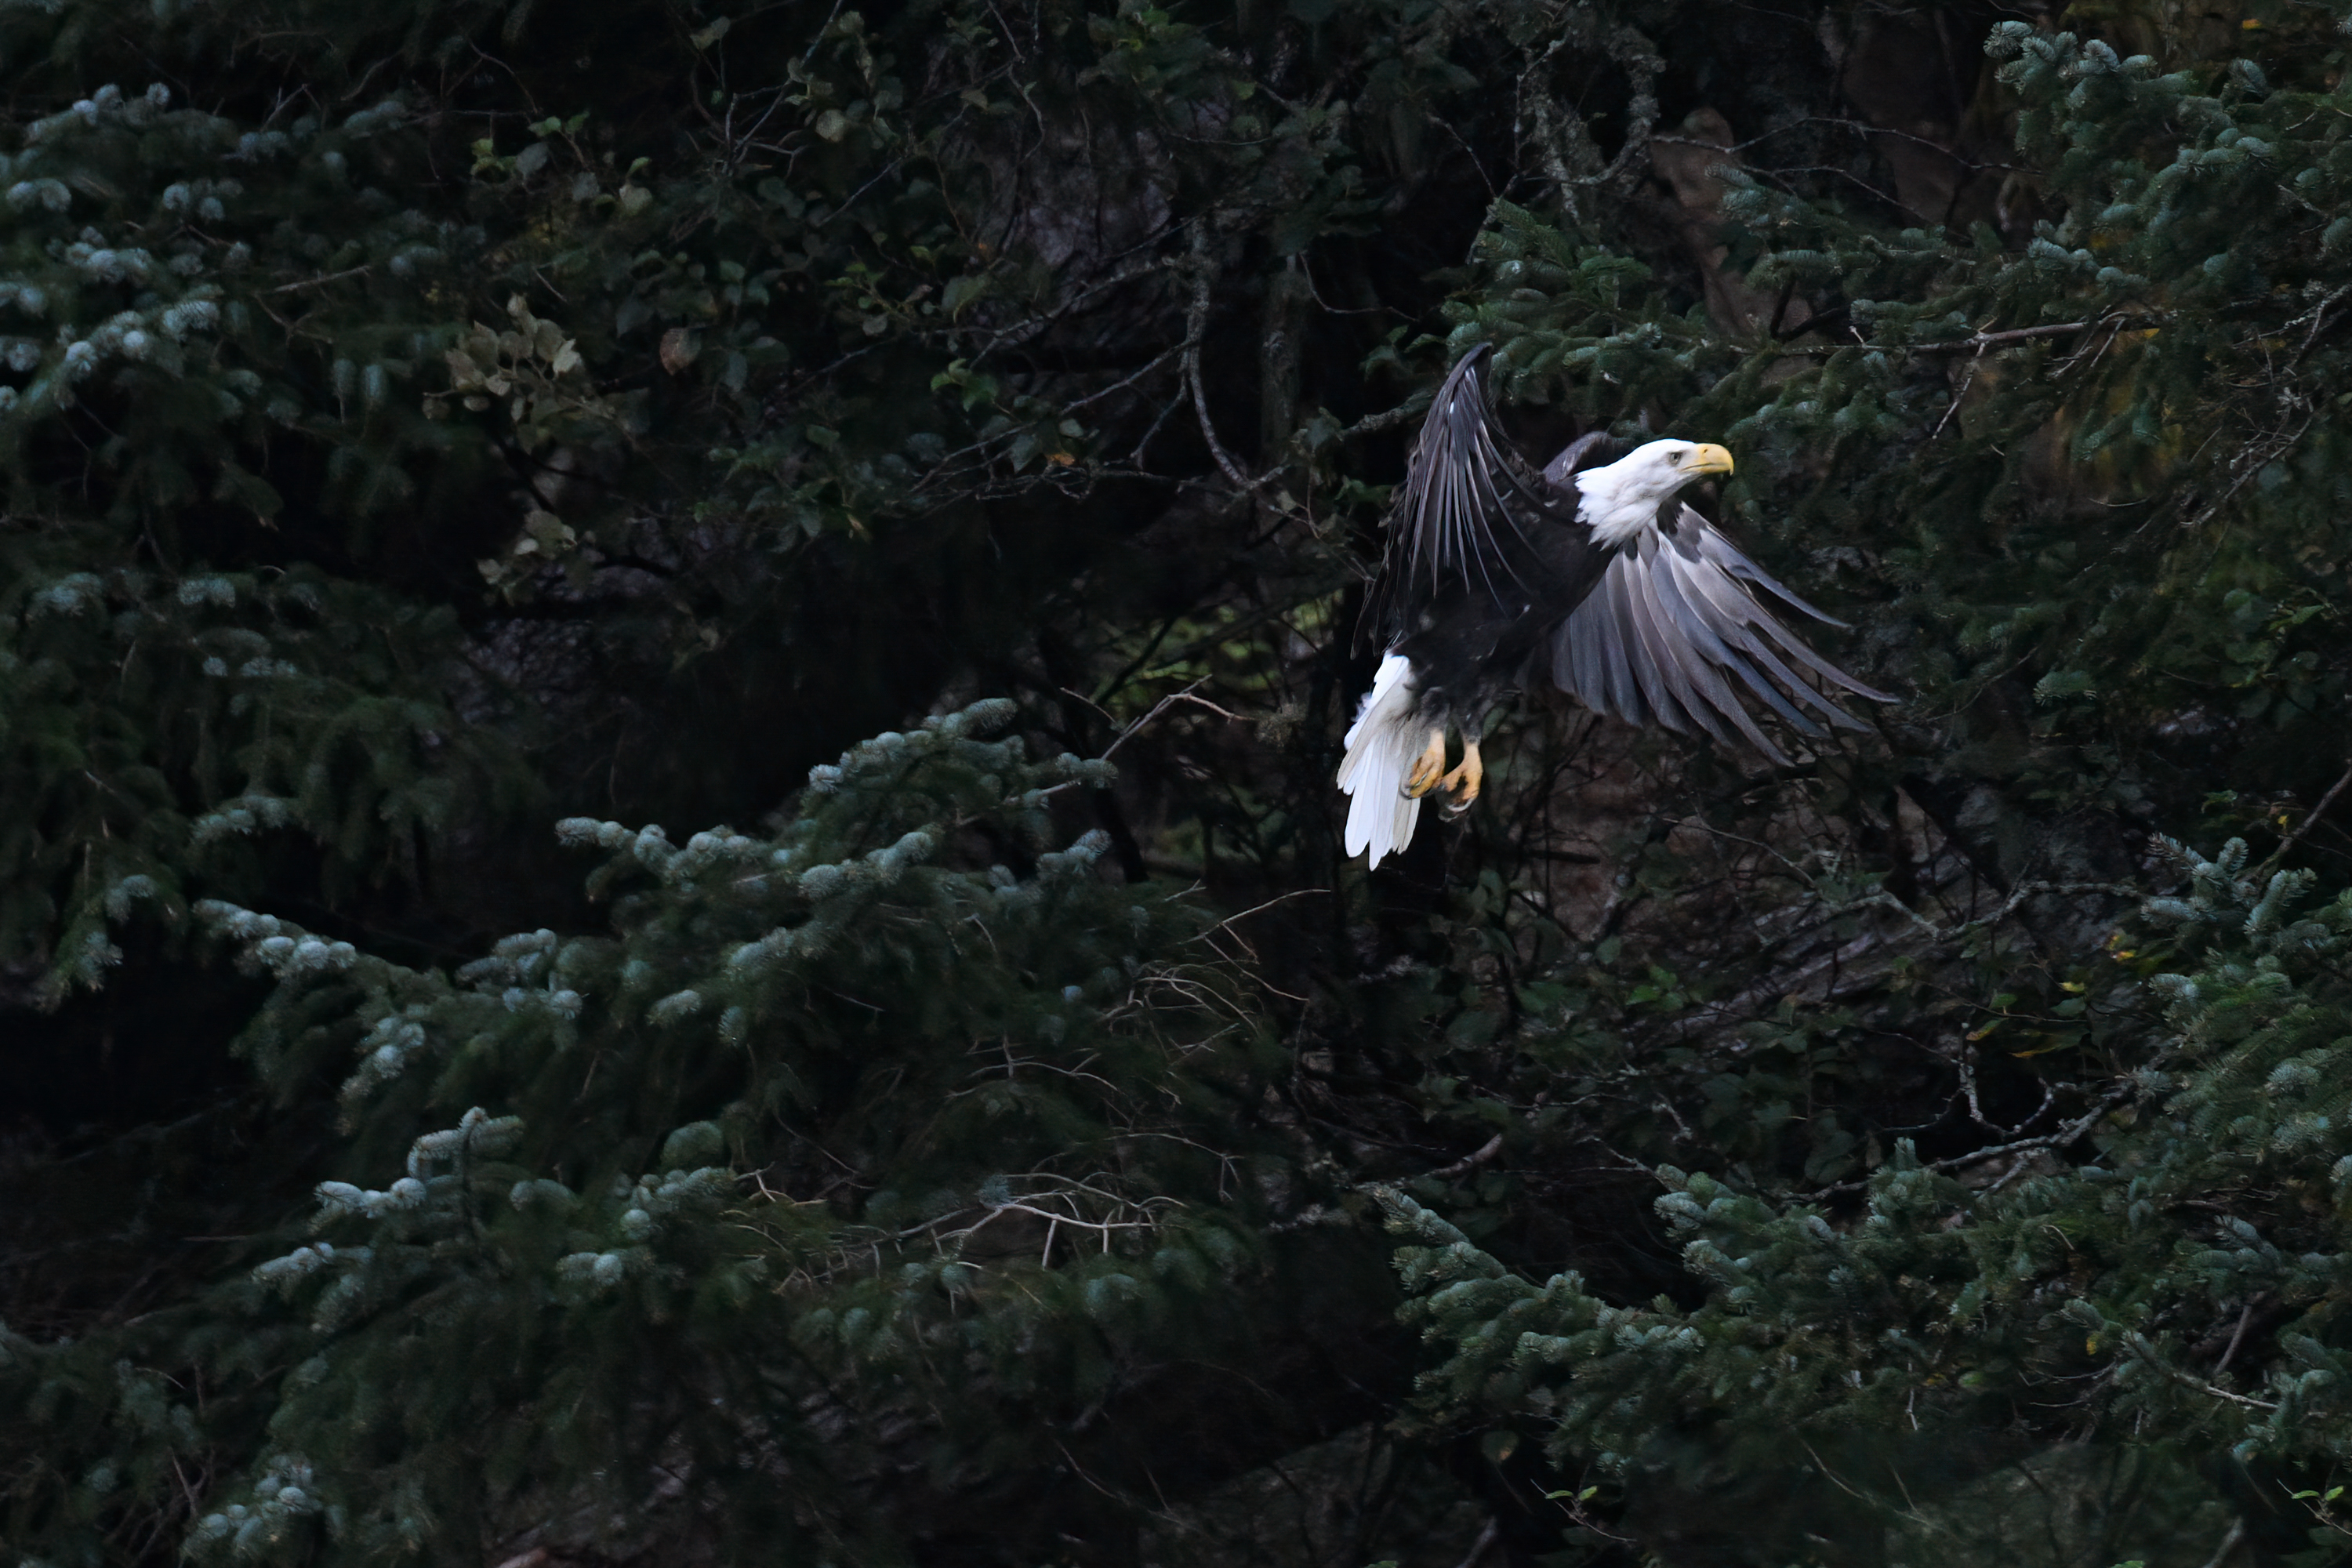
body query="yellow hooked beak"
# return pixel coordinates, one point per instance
(1708, 458)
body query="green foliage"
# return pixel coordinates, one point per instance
(427, 423)
(2101, 465)
(2214, 1194)
(1019, 1089)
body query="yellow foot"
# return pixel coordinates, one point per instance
(1428, 768)
(1463, 782)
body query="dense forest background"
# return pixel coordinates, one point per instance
(669, 889)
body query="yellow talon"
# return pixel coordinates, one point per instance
(1463, 782)
(1429, 768)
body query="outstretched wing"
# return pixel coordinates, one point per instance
(1675, 634)
(1459, 526)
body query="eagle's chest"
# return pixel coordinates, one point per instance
(1471, 647)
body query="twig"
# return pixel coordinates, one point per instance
(2312, 816)
(2229, 1539)
(2021, 1148)
(1081, 1474)
(1471, 1162)
(2146, 1351)
(315, 282)
(1159, 708)
(1373, 424)
(1023, 331)
(2237, 1337)
(2319, 319)
(2250, 461)
(1962, 1062)
(1881, 899)
(1975, 343)
(1281, 898)
(1958, 398)
(1299, 265)
(185, 1490)
(1196, 328)
(1485, 1539)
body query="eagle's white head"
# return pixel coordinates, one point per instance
(1622, 497)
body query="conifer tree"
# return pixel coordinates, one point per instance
(430, 425)
(1030, 1080)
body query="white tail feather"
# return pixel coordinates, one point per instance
(1381, 747)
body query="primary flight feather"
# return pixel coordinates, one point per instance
(1590, 574)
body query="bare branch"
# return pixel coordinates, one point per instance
(1196, 327)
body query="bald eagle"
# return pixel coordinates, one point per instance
(1590, 573)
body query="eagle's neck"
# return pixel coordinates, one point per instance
(1621, 501)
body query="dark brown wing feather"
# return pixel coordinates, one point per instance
(1589, 450)
(1473, 528)
(1675, 635)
